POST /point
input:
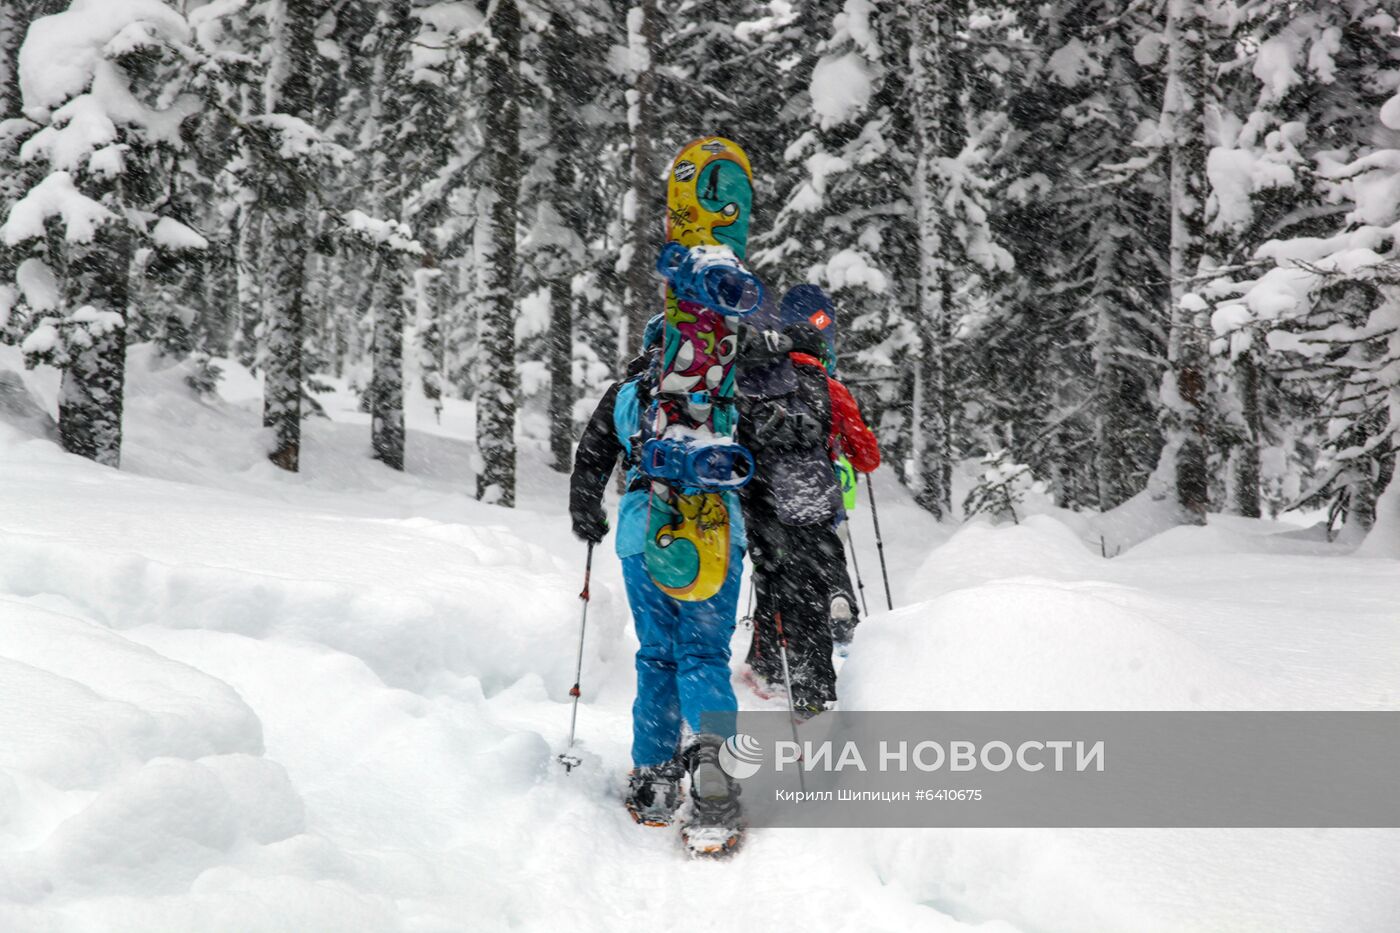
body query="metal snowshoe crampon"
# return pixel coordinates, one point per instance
(654, 793)
(715, 826)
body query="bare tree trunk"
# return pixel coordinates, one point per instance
(561, 387)
(1111, 458)
(1244, 455)
(641, 211)
(91, 397)
(387, 435)
(432, 347)
(1185, 388)
(937, 122)
(495, 252)
(570, 203)
(285, 198)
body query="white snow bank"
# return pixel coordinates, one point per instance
(110, 703)
(1031, 645)
(1039, 546)
(404, 653)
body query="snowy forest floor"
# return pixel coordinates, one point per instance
(236, 699)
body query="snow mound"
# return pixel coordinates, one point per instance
(19, 409)
(1218, 538)
(1039, 546)
(1038, 645)
(82, 704)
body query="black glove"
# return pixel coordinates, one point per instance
(590, 524)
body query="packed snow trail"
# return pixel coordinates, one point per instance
(233, 699)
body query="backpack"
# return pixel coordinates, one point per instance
(794, 479)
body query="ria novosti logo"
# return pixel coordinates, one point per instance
(742, 756)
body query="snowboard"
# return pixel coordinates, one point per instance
(709, 202)
(810, 304)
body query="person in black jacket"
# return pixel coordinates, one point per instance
(791, 506)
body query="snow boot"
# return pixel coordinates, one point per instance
(715, 827)
(654, 793)
(843, 623)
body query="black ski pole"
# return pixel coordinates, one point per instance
(879, 541)
(787, 682)
(566, 758)
(855, 564)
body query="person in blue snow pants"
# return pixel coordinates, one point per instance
(683, 661)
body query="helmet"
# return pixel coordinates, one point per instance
(806, 339)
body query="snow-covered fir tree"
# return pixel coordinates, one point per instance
(106, 132)
(1026, 214)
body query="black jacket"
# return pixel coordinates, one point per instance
(599, 449)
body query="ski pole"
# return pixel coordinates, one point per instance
(571, 761)
(879, 541)
(855, 564)
(753, 583)
(787, 682)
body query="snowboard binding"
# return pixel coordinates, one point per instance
(701, 467)
(711, 276)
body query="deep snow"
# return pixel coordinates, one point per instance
(233, 699)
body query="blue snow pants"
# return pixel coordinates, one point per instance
(683, 661)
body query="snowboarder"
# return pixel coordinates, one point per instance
(791, 507)
(683, 660)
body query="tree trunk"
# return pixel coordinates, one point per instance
(937, 94)
(91, 395)
(1112, 462)
(561, 387)
(387, 116)
(386, 380)
(432, 362)
(495, 253)
(286, 202)
(1244, 455)
(1185, 397)
(570, 204)
(642, 209)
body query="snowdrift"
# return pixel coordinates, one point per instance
(236, 700)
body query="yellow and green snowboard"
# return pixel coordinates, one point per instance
(709, 202)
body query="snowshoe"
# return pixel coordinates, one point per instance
(806, 705)
(715, 826)
(654, 793)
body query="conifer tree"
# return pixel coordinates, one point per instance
(496, 258)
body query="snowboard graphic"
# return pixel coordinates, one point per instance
(709, 200)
